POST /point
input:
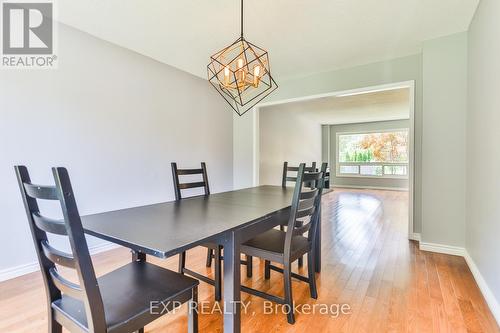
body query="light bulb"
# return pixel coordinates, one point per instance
(256, 75)
(226, 76)
(256, 70)
(241, 73)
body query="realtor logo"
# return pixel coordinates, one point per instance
(28, 35)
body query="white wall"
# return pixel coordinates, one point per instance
(443, 140)
(243, 150)
(483, 152)
(286, 134)
(116, 120)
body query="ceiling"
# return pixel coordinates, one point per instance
(302, 36)
(375, 106)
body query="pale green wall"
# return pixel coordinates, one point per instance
(443, 144)
(483, 152)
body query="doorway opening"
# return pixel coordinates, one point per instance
(366, 135)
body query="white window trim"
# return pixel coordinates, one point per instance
(339, 164)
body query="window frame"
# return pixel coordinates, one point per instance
(338, 164)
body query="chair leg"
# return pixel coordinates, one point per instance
(193, 312)
(138, 256)
(54, 326)
(182, 262)
(311, 270)
(218, 274)
(210, 255)
(249, 265)
(267, 270)
(287, 274)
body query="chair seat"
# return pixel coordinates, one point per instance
(127, 293)
(271, 245)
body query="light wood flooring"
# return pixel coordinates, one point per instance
(368, 263)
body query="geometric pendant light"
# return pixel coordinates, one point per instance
(241, 73)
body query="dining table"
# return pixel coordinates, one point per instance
(226, 218)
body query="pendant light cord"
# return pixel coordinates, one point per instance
(241, 18)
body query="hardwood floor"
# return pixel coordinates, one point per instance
(368, 264)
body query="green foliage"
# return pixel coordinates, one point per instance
(376, 147)
(359, 156)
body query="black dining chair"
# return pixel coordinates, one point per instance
(286, 177)
(117, 302)
(178, 186)
(214, 251)
(285, 247)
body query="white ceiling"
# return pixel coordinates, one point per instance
(368, 107)
(302, 36)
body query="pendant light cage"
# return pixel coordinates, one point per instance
(241, 73)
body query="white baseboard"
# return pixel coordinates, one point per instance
(405, 189)
(13, 272)
(493, 303)
(415, 236)
(445, 249)
(16, 271)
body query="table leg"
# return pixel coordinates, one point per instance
(318, 244)
(138, 256)
(232, 276)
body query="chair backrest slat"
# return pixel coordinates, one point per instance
(66, 287)
(71, 227)
(57, 256)
(178, 186)
(306, 204)
(183, 172)
(305, 212)
(309, 194)
(50, 225)
(185, 186)
(286, 169)
(41, 192)
(310, 176)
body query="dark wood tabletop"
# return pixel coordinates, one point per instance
(227, 218)
(166, 229)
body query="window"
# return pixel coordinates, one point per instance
(373, 154)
